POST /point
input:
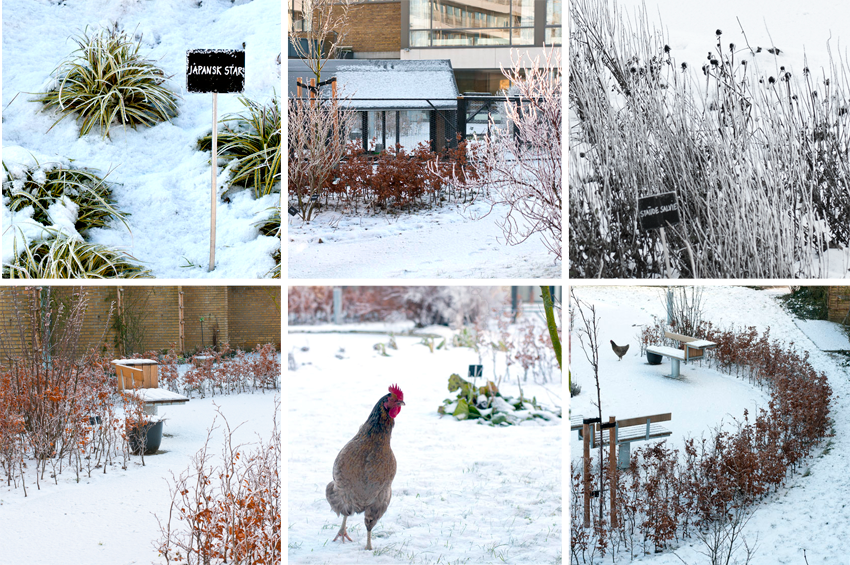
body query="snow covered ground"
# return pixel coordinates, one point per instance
(463, 493)
(441, 243)
(162, 180)
(110, 519)
(812, 512)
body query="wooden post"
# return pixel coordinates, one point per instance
(336, 114)
(119, 292)
(182, 328)
(214, 195)
(312, 93)
(612, 467)
(586, 431)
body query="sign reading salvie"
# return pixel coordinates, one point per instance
(658, 211)
(215, 70)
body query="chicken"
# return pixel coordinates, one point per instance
(364, 469)
(620, 350)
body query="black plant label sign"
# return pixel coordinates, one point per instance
(215, 70)
(658, 211)
(476, 371)
(293, 211)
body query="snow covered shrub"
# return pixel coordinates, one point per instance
(756, 160)
(250, 141)
(227, 510)
(487, 404)
(108, 81)
(50, 186)
(63, 257)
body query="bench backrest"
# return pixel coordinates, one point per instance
(679, 337)
(145, 376)
(642, 420)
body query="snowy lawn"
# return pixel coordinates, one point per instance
(160, 177)
(463, 492)
(110, 519)
(810, 512)
(439, 243)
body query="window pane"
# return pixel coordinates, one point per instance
(420, 17)
(471, 38)
(553, 36)
(553, 12)
(523, 36)
(522, 13)
(466, 14)
(415, 127)
(420, 38)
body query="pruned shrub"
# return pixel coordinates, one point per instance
(108, 81)
(250, 141)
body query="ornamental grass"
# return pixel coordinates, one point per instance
(108, 81)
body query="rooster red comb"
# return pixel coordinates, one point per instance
(397, 391)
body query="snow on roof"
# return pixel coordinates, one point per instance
(387, 84)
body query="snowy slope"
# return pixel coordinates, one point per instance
(110, 519)
(463, 493)
(443, 243)
(812, 512)
(162, 180)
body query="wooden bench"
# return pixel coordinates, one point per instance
(691, 348)
(642, 428)
(140, 377)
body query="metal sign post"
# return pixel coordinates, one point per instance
(215, 70)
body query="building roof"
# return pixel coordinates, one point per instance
(373, 84)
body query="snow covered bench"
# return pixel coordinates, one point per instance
(692, 348)
(140, 377)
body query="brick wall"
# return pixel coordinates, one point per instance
(254, 316)
(244, 316)
(374, 26)
(838, 303)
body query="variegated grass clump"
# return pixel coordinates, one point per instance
(251, 142)
(41, 186)
(64, 257)
(271, 227)
(108, 81)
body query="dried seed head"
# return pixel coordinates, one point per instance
(771, 80)
(731, 47)
(666, 48)
(714, 62)
(718, 33)
(684, 66)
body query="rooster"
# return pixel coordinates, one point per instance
(620, 350)
(364, 469)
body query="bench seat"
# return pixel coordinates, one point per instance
(576, 422)
(634, 433)
(667, 351)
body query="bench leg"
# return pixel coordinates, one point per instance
(674, 368)
(623, 456)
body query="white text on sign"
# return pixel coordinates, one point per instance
(216, 70)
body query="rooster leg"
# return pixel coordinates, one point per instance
(342, 533)
(369, 539)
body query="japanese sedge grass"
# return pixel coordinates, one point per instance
(108, 81)
(63, 257)
(251, 141)
(43, 185)
(758, 163)
(271, 227)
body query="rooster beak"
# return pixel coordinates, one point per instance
(401, 402)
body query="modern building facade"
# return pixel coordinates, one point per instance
(476, 36)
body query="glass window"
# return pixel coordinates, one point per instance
(553, 12)
(522, 13)
(523, 36)
(420, 18)
(420, 38)
(460, 14)
(414, 128)
(553, 36)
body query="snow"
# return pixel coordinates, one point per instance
(463, 492)
(827, 336)
(111, 518)
(441, 243)
(160, 178)
(810, 513)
